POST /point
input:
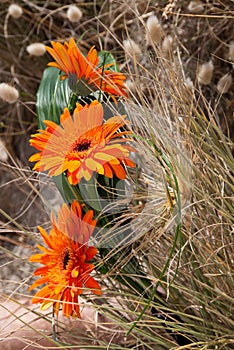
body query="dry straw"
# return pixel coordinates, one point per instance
(36, 49)
(8, 93)
(74, 14)
(205, 73)
(15, 11)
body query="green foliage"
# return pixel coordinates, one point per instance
(53, 96)
(105, 58)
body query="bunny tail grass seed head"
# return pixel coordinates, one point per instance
(130, 85)
(154, 31)
(189, 84)
(167, 44)
(231, 51)
(36, 49)
(8, 93)
(131, 47)
(205, 73)
(224, 83)
(74, 14)
(15, 11)
(3, 151)
(196, 6)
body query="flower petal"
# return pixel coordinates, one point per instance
(92, 284)
(66, 261)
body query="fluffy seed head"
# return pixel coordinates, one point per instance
(131, 47)
(231, 51)
(36, 49)
(188, 83)
(3, 152)
(130, 85)
(196, 6)
(205, 73)
(167, 44)
(154, 31)
(8, 93)
(15, 11)
(74, 14)
(224, 83)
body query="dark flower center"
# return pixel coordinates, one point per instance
(82, 146)
(66, 259)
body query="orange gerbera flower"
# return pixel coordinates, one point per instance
(82, 145)
(83, 74)
(66, 269)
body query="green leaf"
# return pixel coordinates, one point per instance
(67, 191)
(53, 96)
(106, 57)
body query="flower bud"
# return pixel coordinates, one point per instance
(196, 6)
(36, 49)
(15, 11)
(8, 93)
(131, 47)
(224, 83)
(231, 51)
(74, 14)
(205, 73)
(154, 31)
